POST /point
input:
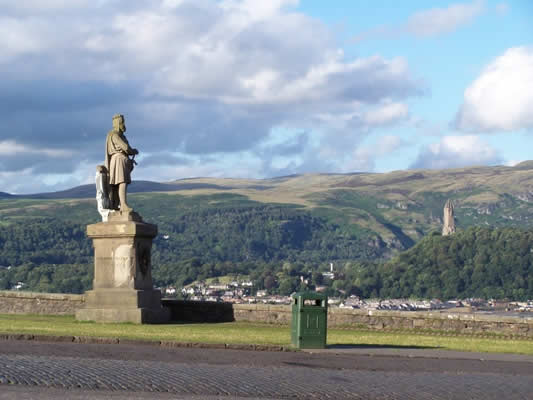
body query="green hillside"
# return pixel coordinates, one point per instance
(214, 227)
(477, 262)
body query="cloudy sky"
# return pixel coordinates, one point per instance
(262, 88)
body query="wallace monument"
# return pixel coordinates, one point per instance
(122, 285)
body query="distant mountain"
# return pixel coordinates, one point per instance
(89, 191)
(392, 211)
(292, 224)
(524, 165)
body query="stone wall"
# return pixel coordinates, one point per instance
(271, 314)
(376, 319)
(12, 302)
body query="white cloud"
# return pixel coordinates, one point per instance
(432, 22)
(364, 158)
(388, 143)
(12, 148)
(361, 160)
(457, 151)
(387, 114)
(501, 98)
(253, 10)
(34, 6)
(358, 117)
(198, 77)
(512, 163)
(437, 21)
(19, 37)
(347, 129)
(244, 52)
(32, 180)
(247, 166)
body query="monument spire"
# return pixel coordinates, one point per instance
(449, 221)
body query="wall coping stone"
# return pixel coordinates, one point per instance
(245, 307)
(41, 296)
(397, 314)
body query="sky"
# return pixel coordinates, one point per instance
(262, 88)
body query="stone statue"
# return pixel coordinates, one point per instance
(122, 286)
(118, 164)
(449, 219)
(102, 192)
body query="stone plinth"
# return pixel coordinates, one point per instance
(122, 285)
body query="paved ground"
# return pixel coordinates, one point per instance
(36, 370)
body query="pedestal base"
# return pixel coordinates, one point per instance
(123, 305)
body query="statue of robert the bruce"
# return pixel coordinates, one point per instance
(118, 164)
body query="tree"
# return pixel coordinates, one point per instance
(269, 282)
(287, 286)
(317, 278)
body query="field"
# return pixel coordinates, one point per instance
(247, 333)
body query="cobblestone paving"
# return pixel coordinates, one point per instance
(273, 382)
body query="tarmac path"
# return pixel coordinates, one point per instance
(39, 370)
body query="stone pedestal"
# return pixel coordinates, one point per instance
(122, 285)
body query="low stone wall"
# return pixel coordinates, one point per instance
(12, 302)
(381, 320)
(270, 314)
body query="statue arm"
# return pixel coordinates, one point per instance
(122, 144)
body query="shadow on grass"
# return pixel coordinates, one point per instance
(379, 346)
(198, 311)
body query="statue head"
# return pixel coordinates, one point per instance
(118, 123)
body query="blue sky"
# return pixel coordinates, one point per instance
(255, 89)
(448, 61)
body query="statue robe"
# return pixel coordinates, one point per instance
(117, 162)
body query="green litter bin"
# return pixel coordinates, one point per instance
(309, 320)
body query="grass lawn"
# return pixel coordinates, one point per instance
(248, 333)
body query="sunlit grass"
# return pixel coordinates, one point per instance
(426, 340)
(248, 333)
(206, 333)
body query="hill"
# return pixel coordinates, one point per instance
(88, 191)
(392, 210)
(400, 207)
(477, 262)
(214, 227)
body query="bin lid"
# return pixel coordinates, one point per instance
(307, 295)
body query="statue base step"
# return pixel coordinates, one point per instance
(123, 305)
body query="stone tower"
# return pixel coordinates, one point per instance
(449, 222)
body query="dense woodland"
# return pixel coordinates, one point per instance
(275, 245)
(477, 262)
(200, 237)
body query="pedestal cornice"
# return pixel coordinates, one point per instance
(122, 225)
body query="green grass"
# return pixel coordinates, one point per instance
(195, 333)
(248, 333)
